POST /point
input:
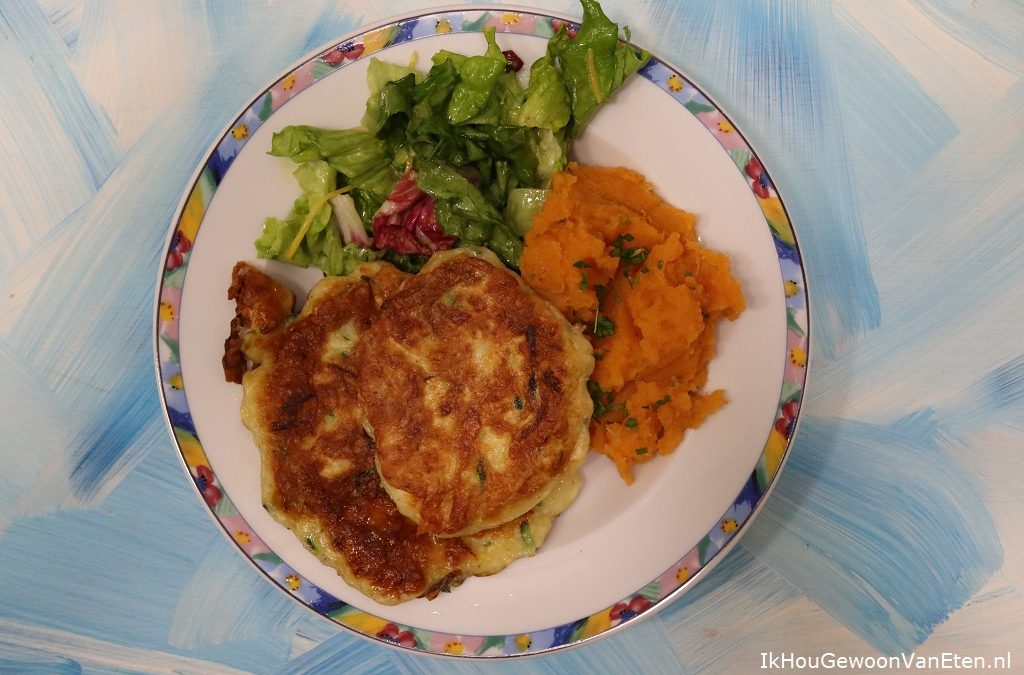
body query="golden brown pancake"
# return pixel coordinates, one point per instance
(475, 391)
(317, 463)
(262, 304)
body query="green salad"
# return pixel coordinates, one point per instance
(460, 154)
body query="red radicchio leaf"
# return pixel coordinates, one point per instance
(407, 223)
(512, 61)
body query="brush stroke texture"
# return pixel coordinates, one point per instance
(714, 626)
(133, 209)
(895, 137)
(226, 592)
(889, 572)
(962, 262)
(28, 648)
(957, 77)
(58, 144)
(38, 447)
(898, 127)
(117, 549)
(66, 18)
(996, 32)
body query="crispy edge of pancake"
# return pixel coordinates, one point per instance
(490, 551)
(262, 304)
(309, 529)
(578, 413)
(376, 558)
(487, 552)
(498, 547)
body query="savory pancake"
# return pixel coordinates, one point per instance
(474, 389)
(262, 304)
(317, 463)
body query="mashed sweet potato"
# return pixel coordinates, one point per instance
(610, 253)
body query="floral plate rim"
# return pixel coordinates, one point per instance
(659, 592)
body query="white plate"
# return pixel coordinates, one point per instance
(620, 551)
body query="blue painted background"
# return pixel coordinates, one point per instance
(895, 132)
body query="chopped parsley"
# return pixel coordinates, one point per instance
(603, 326)
(629, 256)
(604, 401)
(526, 535)
(661, 401)
(641, 451)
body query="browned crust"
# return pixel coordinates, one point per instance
(261, 304)
(424, 333)
(300, 402)
(384, 278)
(380, 546)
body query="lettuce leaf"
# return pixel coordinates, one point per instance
(482, 145)
(322, 245)
(278, 233)
(594, 63)
(544, 103)
(462, 210)
(382, 100)
(326, 250)
(550, 149)
(356, 153)
(523, 205)
(299, 143)
(340, 259)
(477, 77)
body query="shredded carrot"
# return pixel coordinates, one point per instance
(304, 228)
(608, 252)
(592, 76)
